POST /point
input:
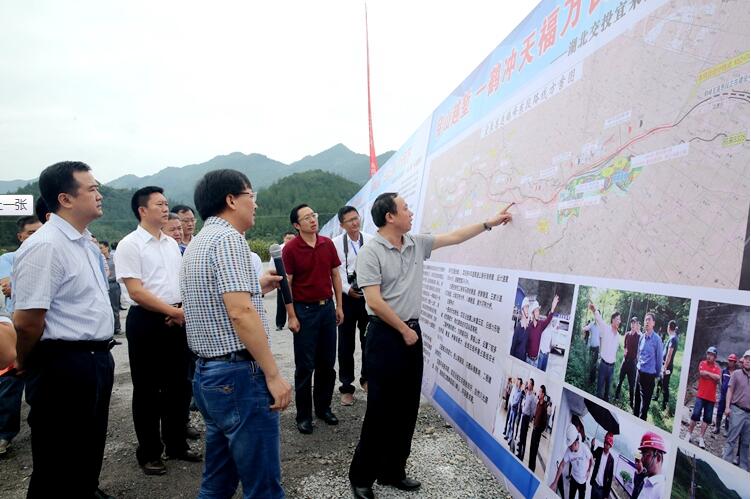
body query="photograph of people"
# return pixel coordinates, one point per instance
(525, 424)
(540, 333)
(645, 354)
(715, 412)
(599, 452)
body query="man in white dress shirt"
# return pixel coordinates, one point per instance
(348, 244)
(64, 323)
(148, 263)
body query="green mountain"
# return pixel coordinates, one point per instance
(709, 484)
(8, 186)
(261, 170)
(323, 191)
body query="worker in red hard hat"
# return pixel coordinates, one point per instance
(653, 452)
(602, 475)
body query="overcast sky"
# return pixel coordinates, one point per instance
(134, 87)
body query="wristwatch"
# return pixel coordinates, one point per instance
(486, 226)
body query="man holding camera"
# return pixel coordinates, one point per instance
(348, 245)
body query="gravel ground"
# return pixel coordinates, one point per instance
(313, 466)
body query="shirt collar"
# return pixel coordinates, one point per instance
(654, 480)
(217, 221)
(406, 239)
(146, 236)
(66, 228)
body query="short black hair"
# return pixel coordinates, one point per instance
(614, 315)
(104, 243)
(544, 391)
(288, 233)
(344, 210)
(141, 198)
(40, 209)
(382, 205)
(114, 245)
(210, 196)
(293, 218)
(672, 326)
(24, 221)
(182, 207)
(57, 179)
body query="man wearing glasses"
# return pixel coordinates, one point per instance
(312, 267)
(348, 245)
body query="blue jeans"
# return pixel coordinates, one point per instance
(542, 361)
(604, 377)
(242, 433)
(11, 389)
(531, 362)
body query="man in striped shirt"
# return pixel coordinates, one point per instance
(64, 323)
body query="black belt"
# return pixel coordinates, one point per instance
(607, 363)
(79, 346)
(318, 303)
(240, 355)
(412, 323)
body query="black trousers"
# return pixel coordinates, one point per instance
(114, 294)
(394, 380)
(158, 357)
(575, 487)
(665, 384)
(534, 445)
(69, 391)
(281, 311)
(355, 317)
(628, 371)
(645, 387)
(523, 436)
(315, 354)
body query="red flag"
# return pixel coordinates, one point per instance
(373, 160)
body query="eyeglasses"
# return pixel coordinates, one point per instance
(253, 195)
(310, 217)
(351, 220)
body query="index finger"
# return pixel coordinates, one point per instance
(508, 207)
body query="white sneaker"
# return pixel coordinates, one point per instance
(701, 443)
(4, 445)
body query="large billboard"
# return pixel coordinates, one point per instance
(620, 131)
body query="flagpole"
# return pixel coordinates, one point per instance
(373, 160)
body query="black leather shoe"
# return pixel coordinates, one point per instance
(154, 468)
(187, 455)
(329, 417)
(362, 492)
(305, 426)
(403, 484)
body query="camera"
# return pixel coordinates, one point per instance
(352, 280)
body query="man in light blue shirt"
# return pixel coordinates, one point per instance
(64, 324)
(648, 362)
(11, 385)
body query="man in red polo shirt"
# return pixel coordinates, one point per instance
(312, 267)
(706, 395)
